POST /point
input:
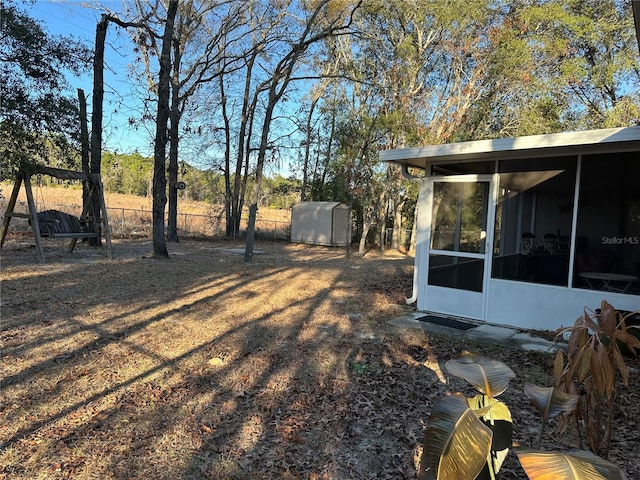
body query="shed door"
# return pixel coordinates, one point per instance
(459, 245)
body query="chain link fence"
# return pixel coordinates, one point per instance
(133, 223)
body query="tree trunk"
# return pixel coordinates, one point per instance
(307, 151)
(366, 226)
(159, 163)
(84, 146)
(172, 218)
(397, 223)
(382, 222)
(84, 132)
(96, 122)
(327, 156)
(243, 182)
(414, 231)
(255, 194)
(228, 191)
(277, 85)
(244, 148)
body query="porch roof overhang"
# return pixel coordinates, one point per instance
(555, 144)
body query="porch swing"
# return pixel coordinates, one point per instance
(54, 223)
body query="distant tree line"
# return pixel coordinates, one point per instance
(132, 174)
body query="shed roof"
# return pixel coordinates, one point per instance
(318, 206)
(567, 143)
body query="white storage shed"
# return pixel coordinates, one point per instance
(321, 223)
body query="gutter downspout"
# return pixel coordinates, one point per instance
(414, 292)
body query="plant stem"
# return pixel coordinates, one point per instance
(540, 434)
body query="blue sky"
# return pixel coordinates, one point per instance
(74, 18)
(122, 98)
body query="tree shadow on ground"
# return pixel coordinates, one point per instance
(143, 367)
(205, 367)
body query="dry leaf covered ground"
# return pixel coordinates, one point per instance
(205, 367)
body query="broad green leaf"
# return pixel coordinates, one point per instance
(456, 443)
(573, 465)
(609, 470)
(493, 411)
(497, 417)
(550, 401)
(490, 377)
(497, 459)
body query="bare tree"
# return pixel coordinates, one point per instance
(209, 58)
(200, 55)
(96, 122)
(324, 19)
(235, 194)
(162, 118)
(308, 129)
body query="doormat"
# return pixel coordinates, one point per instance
(447, 322)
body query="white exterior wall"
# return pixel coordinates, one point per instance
(530, 305)
(546, 307)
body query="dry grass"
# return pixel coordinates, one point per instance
(72, 195)
(130, 215)
(131, 367)
(205, 367)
